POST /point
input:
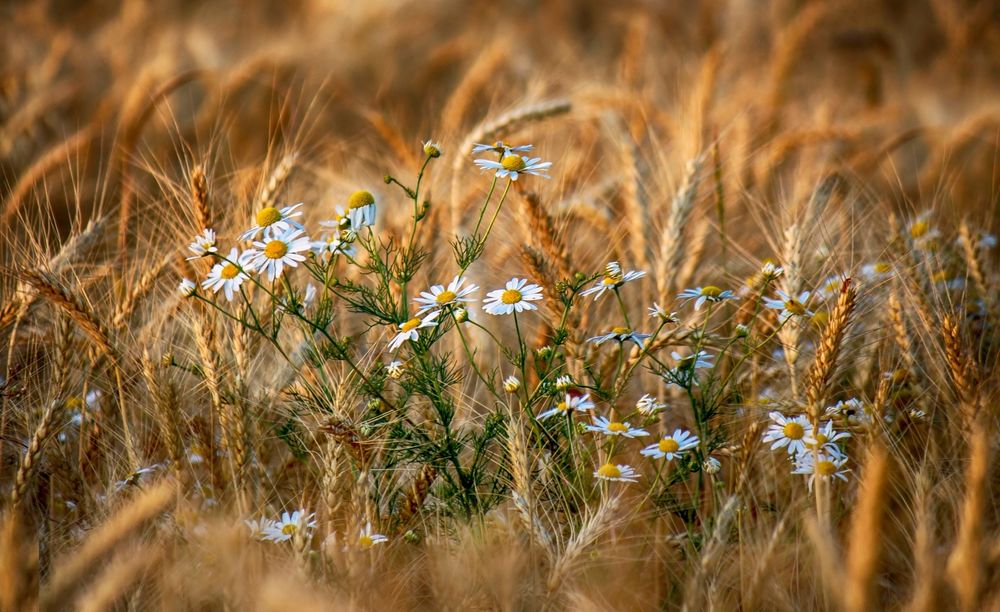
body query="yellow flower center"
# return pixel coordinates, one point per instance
(611, 279)
(229, 271)
(795, 307)
(793, 431)
(711, 291)
(881, 267)
(514, 163)
(617, 427)
(275, 249)
(410, 325)
(445, 296)
(562, 407)
(360, 198)
(668, 445)
(939, 276)
(366, 541)
(74, 403)
(919, 229)
(821, 439)
(825, 468)
(621, 331)
(510, 296)
(268, 216)
(609, 470)
(289, 529)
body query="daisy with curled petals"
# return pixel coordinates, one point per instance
(501, 148)
(789, 306)
(571, 401)
(361, 209)
(439, 296)
(258, 528)
(621, 334)
(698, 361)
(647, 405)
(659, 312)
(187, 288)
(512, 165)
(279, 251)
(788, 432)
(272, 220)
(612, 279)
(616, 473)
(204, 244)
(408, 330)
(515, 297)
(710, 294)
(824, 465)
(671, 447)
(290, 524)
(226, 275)
(608, 427)
(368, 538)
(331, 243)
(825, 439)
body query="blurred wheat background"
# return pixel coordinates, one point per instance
(694, 141)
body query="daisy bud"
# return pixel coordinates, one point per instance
(769, 271)
(461, 315)
(187, 288)
(711, 465)
(564, 382)
(511, 384)
(432, 149)
(395, 369)
(741, 331)
(374, 405)
(544, 353)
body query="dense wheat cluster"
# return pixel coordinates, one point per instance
(510, 305)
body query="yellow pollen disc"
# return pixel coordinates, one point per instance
(268, 216)
(562, 407)
(617, 427)
(410, 325)
(919, 228)
(289, 529)
(74, 403)
(939, 276)
(668, 445)
(821, 439)
(711, 291)
(229, 271)
(825, 468)
(793, 431)
(445, 296)
(881, 267)
(609, 471)
(621, 331)
(795, 307)
(360, 198)
(611, 279)
(510, 296)
(514, 163)
(366, 541)
(275, 249)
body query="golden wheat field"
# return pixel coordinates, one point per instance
(521, 305)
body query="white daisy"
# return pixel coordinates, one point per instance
(851, 410)
(439, 297)
(711, 465)
(648, 405)
(226, 275)
(515, 297)
(361, 209)
(512, 165)
(617, 473)
(608, 427)
(331, 243)
(280, 251)
(875, 271)
(258, 528)
(511, 384)
(825, 439)
(501, 148)
(659, 312)
(187, 288)
(204, 244)
(408, 329)
(709, 293)
(830, 287)
(571, 402)
(288, 525)
(769, 271)
(788, 432)
(789, 306)
(273, 221)
(394, 369)
(698, 361)
(820, 464)
(368, 538)
(564, 382)
(621, 334)
(612, 279)
(921, 230)
(671, 447)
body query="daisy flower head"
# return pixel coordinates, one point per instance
(394, 369)
(368, 538)
(673, 446)
(659, 312)
(501, 148)
(279, 251)
(204, 244)
(698, 361)
(921, 230)
(711, 465)
(788, 305)
(824, 439)
(875, 271)
(226, 276)
(272, 220)
(331, 243)
(361, 209)
(511, 384)
(824, 465)
(613, 278)
(258, 528)
(564, 382)
(770, 271)
(289, 525)
(647, 405)
(608, 427)
(788, 432)
(616, 473)
(187, 288)
(409, 330)
(851, 410)
(439, 296)
(709, 293)
(571, 401)
(431, 148)
(512, 165)
(621, 334)
(516, 296)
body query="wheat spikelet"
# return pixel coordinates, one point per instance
(965, 561)
(672, 237)
(763, 565)
(539, 229)
(474, 79)
(595, 525)
(166, 411)
(963, 370)
(417, 493)
(29, 463)
(139, 290)
(199, 197)
(830, 344)
(866, 535)
(275, 181)
(18, 565)
(122, 572)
